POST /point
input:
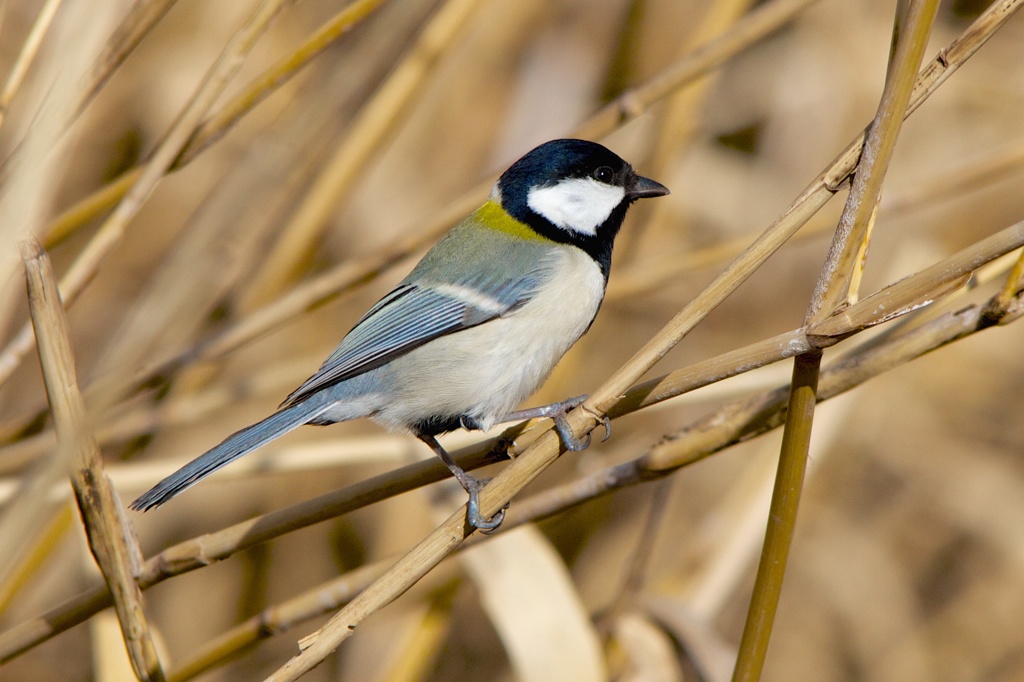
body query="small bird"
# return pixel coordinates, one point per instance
(478, 324)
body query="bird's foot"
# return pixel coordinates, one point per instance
(557, 412)
(477, 520)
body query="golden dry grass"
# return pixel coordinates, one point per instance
(197, 299)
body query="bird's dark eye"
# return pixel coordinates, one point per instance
(604, 174)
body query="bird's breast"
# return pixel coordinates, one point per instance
(486, 371)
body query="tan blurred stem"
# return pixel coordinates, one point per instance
(373, 125)
(636, 575)
(142, 16)
(726, 426)
(677, 122)
(217, 125)
(767, 18)
(29, 50)
(111, 538)
(214, 127)
(87, 264)
(836, 287)
(30, 560)
(278, 619)
(968, 176)
(427, 640)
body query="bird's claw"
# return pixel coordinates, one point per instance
(569, 440)
(473, 515)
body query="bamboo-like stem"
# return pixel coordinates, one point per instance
(843, 265)
(111, 538)
(789, 481)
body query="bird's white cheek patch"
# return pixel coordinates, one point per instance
(579, 204)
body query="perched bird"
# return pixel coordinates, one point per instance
(479, 323)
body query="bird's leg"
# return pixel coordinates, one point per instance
(470, 484)
(557, 412)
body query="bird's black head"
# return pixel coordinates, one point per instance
(574, 192)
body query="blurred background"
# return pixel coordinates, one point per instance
(908, 558)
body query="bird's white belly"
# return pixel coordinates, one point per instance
(486, 371)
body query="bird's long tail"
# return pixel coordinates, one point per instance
(234, 446)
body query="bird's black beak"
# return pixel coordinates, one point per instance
(641, 188)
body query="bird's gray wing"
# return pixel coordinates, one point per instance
(413, 314)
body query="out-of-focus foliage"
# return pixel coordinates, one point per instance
(908, 557)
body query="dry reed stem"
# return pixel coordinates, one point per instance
(849, 245)
(678, 120)
(214, 127)
(29, 560)
(109, 235)
(726, 426)
(142, 16)
(835, 289)
(752, 28)
(373, 125)
(111, 538)
(29, 50)
(217, 125)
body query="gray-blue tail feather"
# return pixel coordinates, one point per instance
(234, 446)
